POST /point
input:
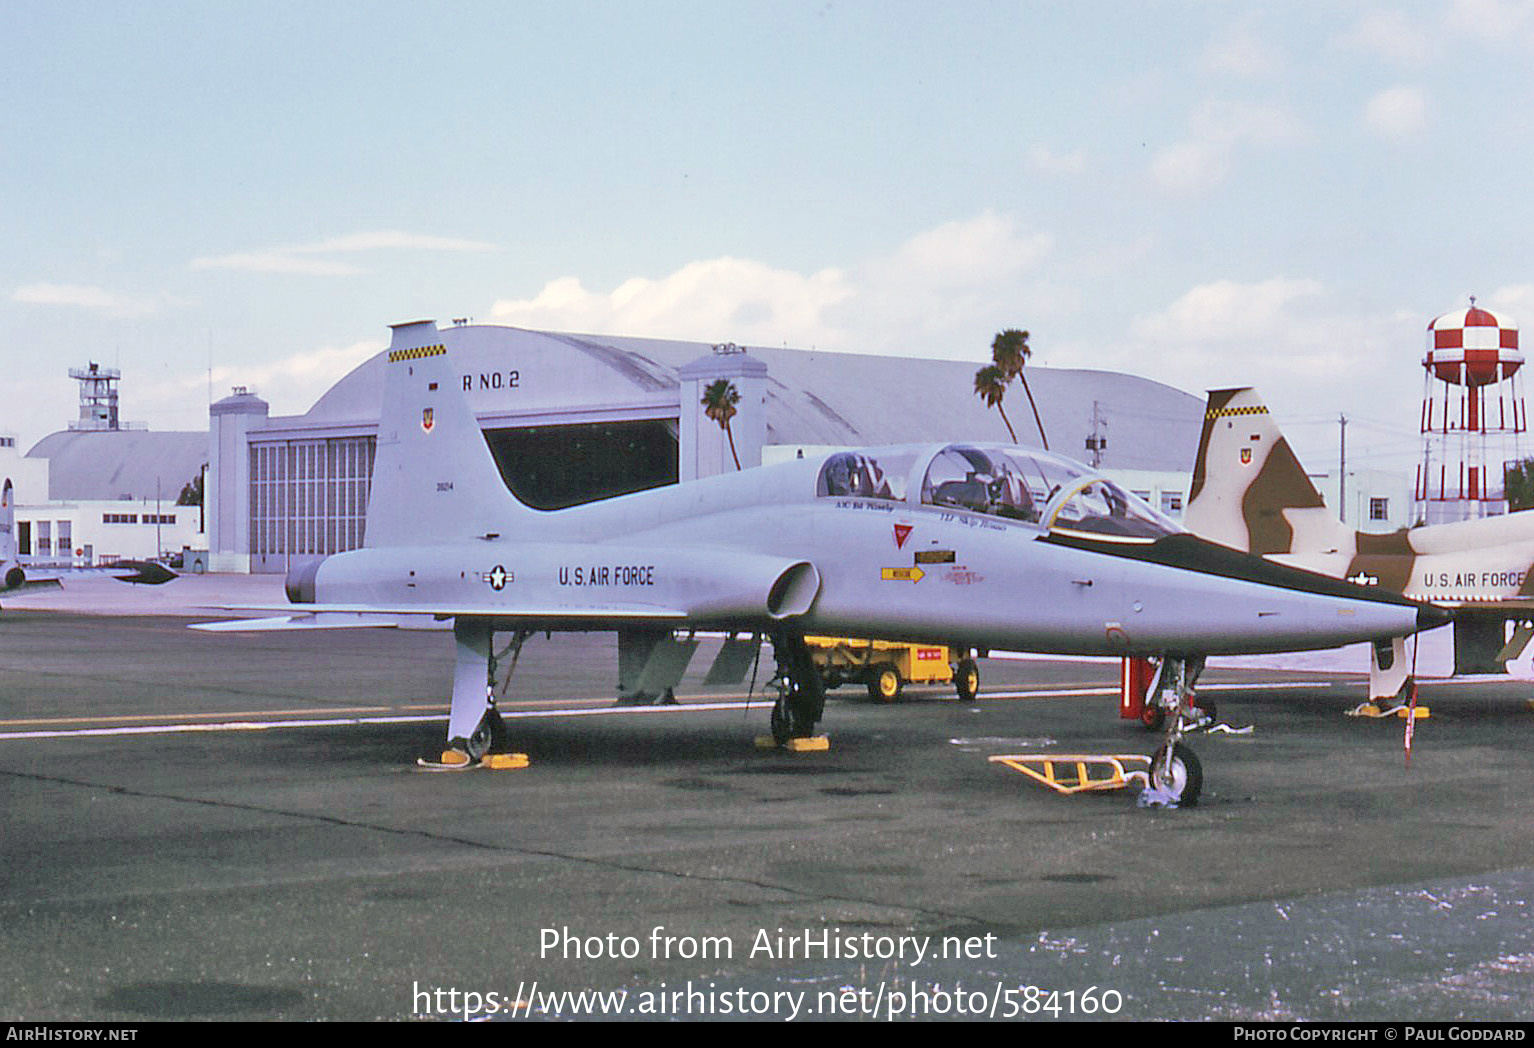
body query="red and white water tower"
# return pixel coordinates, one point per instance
(1472, 415)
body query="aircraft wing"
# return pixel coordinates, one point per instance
(31, 583)
(16, 576)
(143, 572)
(362, 616)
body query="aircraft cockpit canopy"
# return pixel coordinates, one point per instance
(876, 474)
(1039, 488)
(1009, 482)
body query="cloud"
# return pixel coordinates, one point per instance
(1514, 301)
(723, 298)
(1043, 159)
(1499, 22)
(1225, 311)
(1226, 332)
(967, 253)
(278, 261)
(290, 385)
(1392, 35)
(1241, 123)
(1190, 167)
(1218, 129)
(300, 260)
(918, 298)
(1398, 113)
(1306, 352)
(1241, 50)
(393, 240)
(80, 296)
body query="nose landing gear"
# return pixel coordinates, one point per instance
(801, 696)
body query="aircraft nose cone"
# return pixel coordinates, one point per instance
(1431, 616)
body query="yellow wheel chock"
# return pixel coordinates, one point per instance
(1081, 772)
(457, 760)
(1373, 711)
(813, 744)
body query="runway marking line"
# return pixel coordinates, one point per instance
(327, 718)
(322, 721)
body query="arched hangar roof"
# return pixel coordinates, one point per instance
(120, 464)
(813, 397)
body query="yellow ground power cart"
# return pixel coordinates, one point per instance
(886, 667)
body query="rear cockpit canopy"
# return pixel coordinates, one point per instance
(1013, 483)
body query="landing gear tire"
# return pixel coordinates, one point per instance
(884, 683)
(801, 696)
(1183, 781)
(782, 729)
(966, 680)
(788, 722)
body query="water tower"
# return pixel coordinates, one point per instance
(1472, 415)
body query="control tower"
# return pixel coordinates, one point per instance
(98, 397)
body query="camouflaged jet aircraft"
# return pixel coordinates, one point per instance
(14, 576)
(975, 546)
(1251, 493)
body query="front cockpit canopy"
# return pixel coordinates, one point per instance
(1013, 483)
(880, 473)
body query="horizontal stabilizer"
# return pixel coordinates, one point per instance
(47, 583)
(296, 622)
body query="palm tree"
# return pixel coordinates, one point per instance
(991, 386)
(719, 399)
(1010, 352)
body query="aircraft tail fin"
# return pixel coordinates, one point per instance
(1249, 490)
(434, 477)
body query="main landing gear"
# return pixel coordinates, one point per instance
(475, 729)
(801, 696)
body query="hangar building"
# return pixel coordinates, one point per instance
(571, 418)
(104, 490)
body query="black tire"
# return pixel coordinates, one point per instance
(1186, 781)
(782, 725)
(966, 680)
(884, 683)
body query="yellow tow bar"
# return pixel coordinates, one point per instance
(1081, 772)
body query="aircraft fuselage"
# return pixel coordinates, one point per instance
(893, 569)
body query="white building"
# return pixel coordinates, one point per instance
(85, 497)
(1375, 500)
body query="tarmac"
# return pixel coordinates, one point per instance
(233, 826)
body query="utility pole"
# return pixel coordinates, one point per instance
(1097, 441)
(1342, 470)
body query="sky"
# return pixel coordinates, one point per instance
(1208, 194)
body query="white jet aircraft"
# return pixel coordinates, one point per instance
(16, 576)
(975, 546)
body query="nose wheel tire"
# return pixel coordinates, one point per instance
(1182, 779)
